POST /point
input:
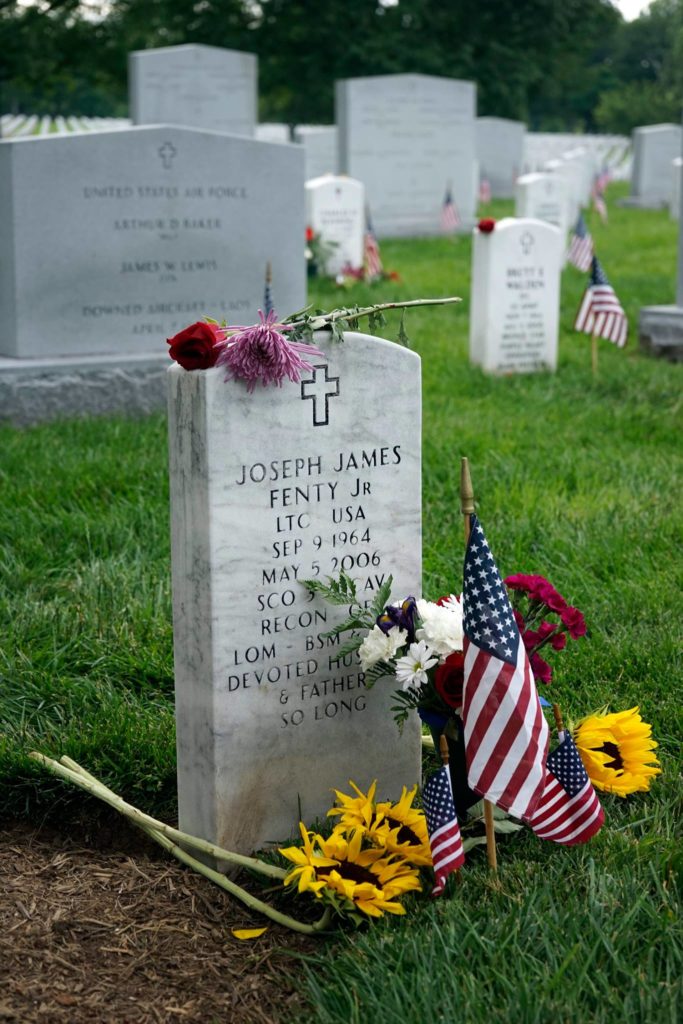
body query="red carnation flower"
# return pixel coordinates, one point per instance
(310, 234)
(540, 668)
(448, 679)
(486, 225)
(196, 348)
(574, 621)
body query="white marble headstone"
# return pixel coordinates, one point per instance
(117, 240)
(676, 188)
(514, 319)
(320, 143)
(409, 138)
(542, 197)
(500, 151)
(654, 147)
(267, 489)
(194, 85)
(335, 209)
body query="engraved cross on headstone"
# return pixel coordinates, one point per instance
(526, 242)
(320, 388)
(167, 152)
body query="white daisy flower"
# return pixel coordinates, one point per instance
(412, 668)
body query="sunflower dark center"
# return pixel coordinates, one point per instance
(353, 872)
(612, 750)
(405, 834)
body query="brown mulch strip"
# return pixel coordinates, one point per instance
(98, 926)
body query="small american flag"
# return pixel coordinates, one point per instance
(371, 257)
(450, 218)
(603, 179)
(600, 312)
(484, 191)
(598, 195)
(268, 295)
(442, 824)
(581, 245)
(569, 811)
(506, 735)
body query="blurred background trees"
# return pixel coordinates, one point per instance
(557, 64)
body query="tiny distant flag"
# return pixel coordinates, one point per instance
(442, 825)
(581, 245)
(450, 218)
(371, 257)
(484, 191)
(598, 196)
(603, 179)
(268, 294)
(600, 313)
(506, 734)
(569, 811)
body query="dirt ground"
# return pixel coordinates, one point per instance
(98, 925)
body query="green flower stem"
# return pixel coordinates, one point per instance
(317, 322)
(73, 772)
(241, 894)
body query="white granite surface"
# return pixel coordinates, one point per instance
(194, 85)
(114, 241)
(266, 489)
(515, 305)
(335, 209)
(408, 138)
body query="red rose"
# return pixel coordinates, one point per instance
(196, 348)
(448, 679)
(486, 225)
(574, 621)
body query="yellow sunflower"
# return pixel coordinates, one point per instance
(338, 867)
(617, 751)
(397, 828)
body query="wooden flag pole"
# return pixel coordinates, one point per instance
(559, 724)
(467, 509)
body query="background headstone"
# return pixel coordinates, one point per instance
(196, 86)
(320, 142)
(654, 147)
(515, 305)
(676, 188)
(409, 138)
(270, 131)
(543, 197)
(661, 327)
(335, 209)
(118, 240)
(500, 152)
(267, 489)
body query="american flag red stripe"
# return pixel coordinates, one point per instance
(506, 734)
(442, 824)
(569, 811)
(371, 258)
(600, 312)
(450, 218)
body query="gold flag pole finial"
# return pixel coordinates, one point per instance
(467, 509)
(466, 492)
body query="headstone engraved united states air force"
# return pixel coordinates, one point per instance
(118, 239)
(269, 488)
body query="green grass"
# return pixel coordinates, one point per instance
(578, 479)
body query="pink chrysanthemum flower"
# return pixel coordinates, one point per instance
(262, 353)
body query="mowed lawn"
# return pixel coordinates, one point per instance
(576, 478)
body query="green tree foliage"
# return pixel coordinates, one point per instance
(557, 64)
